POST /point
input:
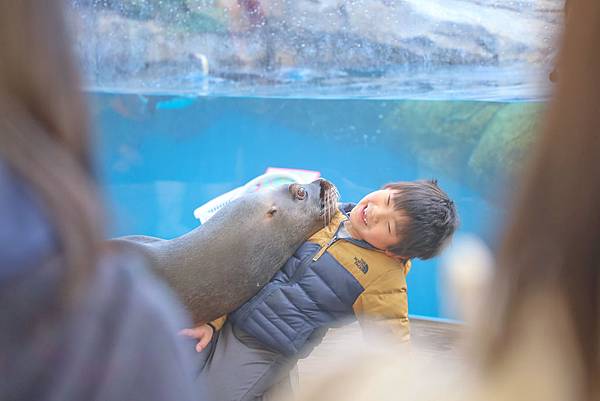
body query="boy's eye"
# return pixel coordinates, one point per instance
(388, 199)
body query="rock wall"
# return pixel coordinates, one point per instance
(152, 38)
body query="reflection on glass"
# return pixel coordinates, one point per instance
(368, 47)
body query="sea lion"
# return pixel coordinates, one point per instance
(219, 265)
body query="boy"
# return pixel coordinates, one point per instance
(355, 267)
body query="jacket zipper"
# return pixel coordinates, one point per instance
(324, 248)
(329, 243)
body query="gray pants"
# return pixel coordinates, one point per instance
(235, 367)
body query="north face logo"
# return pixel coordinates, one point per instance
(361, 264)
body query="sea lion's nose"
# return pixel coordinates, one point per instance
(323, 183)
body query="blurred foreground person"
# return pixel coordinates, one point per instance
(74, 324)
(538, 336)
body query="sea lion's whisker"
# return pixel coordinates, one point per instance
(329, 198)
(327, 208)
(324, 210)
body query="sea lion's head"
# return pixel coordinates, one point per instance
(302, 207)
(281, 217)
(287, 215)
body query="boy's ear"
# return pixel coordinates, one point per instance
(397, 258)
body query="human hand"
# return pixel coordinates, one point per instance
(202, 333)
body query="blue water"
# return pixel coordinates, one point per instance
(160, 157)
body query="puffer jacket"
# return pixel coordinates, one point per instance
(328, 280)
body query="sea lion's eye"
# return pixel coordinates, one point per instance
(301, 193)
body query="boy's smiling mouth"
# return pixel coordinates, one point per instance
(363, 214)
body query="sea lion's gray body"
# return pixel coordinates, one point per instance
(224, 262)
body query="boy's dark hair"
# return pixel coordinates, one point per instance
(432, 218)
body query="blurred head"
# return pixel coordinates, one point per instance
(44, 125)
(407, 219)
(38, 72)
(550, 247)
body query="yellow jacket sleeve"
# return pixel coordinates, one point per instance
(383, 306)
(218, 322)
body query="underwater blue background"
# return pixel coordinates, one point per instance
(161, 156)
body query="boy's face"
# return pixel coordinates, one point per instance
(374, 220)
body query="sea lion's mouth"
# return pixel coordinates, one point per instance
(329, 196)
